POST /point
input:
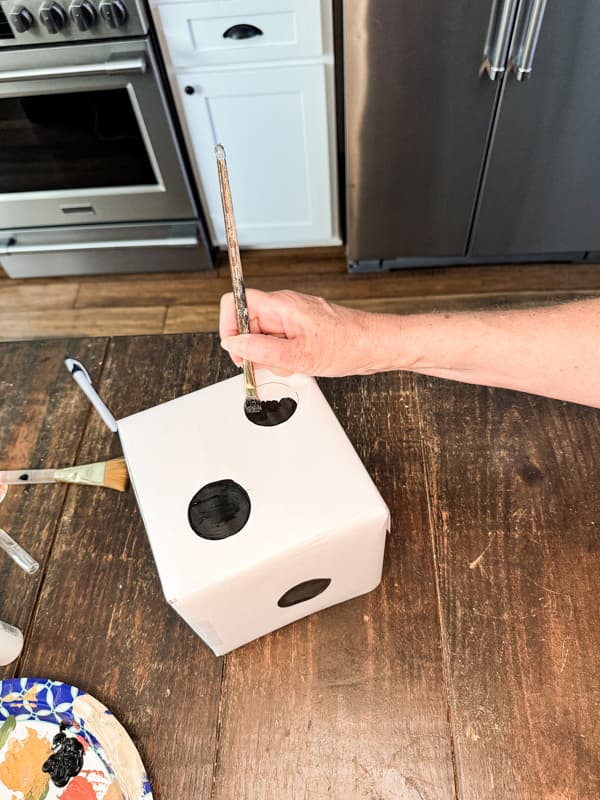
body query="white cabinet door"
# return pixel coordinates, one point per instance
(273, 124)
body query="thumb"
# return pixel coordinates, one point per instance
(272, 352)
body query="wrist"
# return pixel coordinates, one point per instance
(377, 342)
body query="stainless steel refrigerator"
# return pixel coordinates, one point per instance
(472, 131)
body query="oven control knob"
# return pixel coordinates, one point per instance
(114, 13)
(53, 16)
(22, 19)
(83, 14)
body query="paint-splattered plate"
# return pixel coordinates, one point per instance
(31, 712)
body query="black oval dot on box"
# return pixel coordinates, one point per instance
(303, 591)
(219, 510)
(272, 412)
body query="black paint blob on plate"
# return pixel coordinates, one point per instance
(273, 412)
(219, 510)
(303, 591)
(66, 760)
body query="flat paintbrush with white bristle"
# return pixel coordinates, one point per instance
(111, 474)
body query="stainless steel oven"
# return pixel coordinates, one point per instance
(89, 158)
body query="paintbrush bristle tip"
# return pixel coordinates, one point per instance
(116, 475)
(252, 406)
(220, 152)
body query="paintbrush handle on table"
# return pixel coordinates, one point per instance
(237, 277)
(81, 376)
(112, 474)
(19, 555)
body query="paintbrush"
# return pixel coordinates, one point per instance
(111, 474)
(18, 554)
(252, 404)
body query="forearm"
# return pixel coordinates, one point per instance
(553, 351)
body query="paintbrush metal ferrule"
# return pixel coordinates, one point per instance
(88, 474)
(249, 380)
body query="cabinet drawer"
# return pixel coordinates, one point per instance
(208, 33)
(274, 127)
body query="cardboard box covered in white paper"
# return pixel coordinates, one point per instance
(316, 521)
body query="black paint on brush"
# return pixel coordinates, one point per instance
(272, 412)
(66, 760)
(252, 406)
(303, 591)
(219, 510)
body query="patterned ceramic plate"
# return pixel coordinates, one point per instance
(31, 713)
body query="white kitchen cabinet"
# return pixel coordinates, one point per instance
(273, 124)
(270, 101)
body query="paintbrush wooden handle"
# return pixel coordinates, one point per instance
(24, 476)
(233, 248)
(235, 265)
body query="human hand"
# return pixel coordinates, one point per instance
(293, 332)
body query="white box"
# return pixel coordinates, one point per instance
(316, 520)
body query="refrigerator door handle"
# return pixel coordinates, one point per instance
(497, 38)
(528, 27)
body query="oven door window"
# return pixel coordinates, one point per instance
(75, 140)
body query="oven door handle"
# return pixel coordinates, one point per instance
(116, 67)
(10, 247)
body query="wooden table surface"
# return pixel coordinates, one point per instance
(472, 672)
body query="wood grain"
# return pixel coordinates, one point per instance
(513, 486)
(186, 302)
(102, 622)
(205, 318)
(38, 294)
(190, 319)
(30, 324)
(42, 416)
(473, 302)
(350, 703)
(458, 282)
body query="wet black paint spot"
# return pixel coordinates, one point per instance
(24, 477)
(273, 412)
(529, 473)
(66, 760)
(303, 591)
(219, 510)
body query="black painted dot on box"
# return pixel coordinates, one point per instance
(219, 510)
(303, 591)
(272, 412)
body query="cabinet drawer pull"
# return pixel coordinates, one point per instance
(242, 31)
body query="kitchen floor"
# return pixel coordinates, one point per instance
(186, 302)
